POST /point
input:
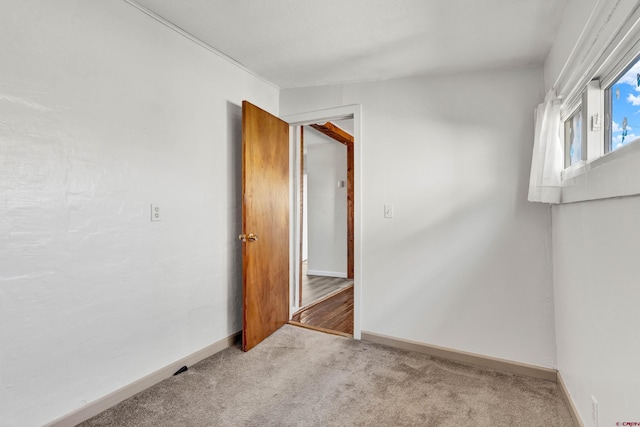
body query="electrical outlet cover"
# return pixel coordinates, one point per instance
(155, 213)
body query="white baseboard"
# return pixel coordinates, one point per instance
(569, 401)
(504, 365)
(327, 273)
(105, 402)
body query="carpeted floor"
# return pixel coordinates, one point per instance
(299, 377)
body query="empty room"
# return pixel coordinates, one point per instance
(460, 179)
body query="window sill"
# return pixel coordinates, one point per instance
(621, 152)
(616, 174)
(574, 170)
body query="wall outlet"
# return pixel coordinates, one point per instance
(594, 411)
(155, 213)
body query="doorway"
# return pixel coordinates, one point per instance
(326, 227)
(352, 268)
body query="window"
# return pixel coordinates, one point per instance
(573, 137)
(623, 108)
(600, 112)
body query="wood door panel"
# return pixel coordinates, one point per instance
(265, 190)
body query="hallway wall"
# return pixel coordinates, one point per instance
(326, 164)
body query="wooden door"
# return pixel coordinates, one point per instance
(265, 224)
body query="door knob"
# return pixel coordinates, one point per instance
(248, 237)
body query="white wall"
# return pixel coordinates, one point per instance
(595, 251)
(596, 271)
(465, 262)
(326, 205)
(103, 112)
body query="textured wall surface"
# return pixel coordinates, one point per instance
(104, 111)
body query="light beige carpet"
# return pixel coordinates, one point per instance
(299, 377)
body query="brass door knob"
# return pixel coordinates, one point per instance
(248, 237)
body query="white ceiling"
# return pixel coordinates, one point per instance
(294, 43)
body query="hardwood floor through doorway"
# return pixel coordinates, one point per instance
(333, 314)
(315, 288)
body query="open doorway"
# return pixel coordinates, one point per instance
(326, 220)
(327, 209)
(297, 122)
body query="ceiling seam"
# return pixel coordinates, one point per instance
(199, 42)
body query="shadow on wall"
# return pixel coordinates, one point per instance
(234, 196)
(457, 246)
(468, 249)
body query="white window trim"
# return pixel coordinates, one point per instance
(603, 175)
(615, 174)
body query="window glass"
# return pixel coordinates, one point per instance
(625, 108)
(573, 139)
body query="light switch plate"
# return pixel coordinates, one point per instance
(388, 211)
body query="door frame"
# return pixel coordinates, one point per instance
(320, 116)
